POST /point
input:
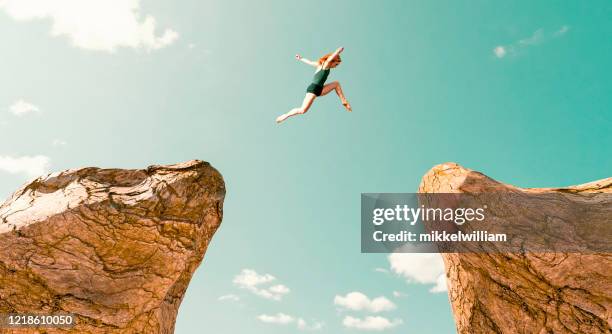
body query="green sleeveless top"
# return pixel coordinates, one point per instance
(320, 77)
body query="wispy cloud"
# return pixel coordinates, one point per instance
(357, 301)
(279, 319)
(399, 294)
(58, 142)
(309, 326)
(420, 268)
(535, 39)
(285, 319)
(562, 31)
(370, 323)
(21, 108)
(381, 270)
(229, 297)
(538, 37)
(260, 284)
(31, 166)
(102, 25)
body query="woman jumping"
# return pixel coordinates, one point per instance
(318, 86)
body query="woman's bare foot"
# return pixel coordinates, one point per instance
(347, 106)
(281, 118)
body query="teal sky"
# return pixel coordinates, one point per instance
(426, 87)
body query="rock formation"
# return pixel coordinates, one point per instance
(115, 247)
(536, 293)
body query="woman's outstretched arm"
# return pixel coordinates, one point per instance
(332, 57)
(306, 61)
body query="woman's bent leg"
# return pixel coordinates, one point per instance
(336, 87)
(308, 99)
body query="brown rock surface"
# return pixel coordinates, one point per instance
(526, 293)
(115, 247)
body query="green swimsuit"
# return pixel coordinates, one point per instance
(316, 87)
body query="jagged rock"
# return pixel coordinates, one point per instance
(115, 247)
(537, 293)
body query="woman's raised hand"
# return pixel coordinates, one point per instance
(298, 57)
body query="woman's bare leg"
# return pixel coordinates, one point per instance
(308, 99)
(336, 86)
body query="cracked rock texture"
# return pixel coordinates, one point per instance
(115, 247)
(537, 293)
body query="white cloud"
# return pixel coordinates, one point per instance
(399, 294)
(278, 319)
(285, 319)
(230, 297)
(191, 45)
(252, 281)
(58, 142)
(31, 166)
(357, 301)
(440, 285)
(266, 293)
(538, 37)
(22, 107)
(303, 325)
(102, 25)
(500, 51)
(279, 289)
(249, 278)
(370, 323)
(420, 268)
